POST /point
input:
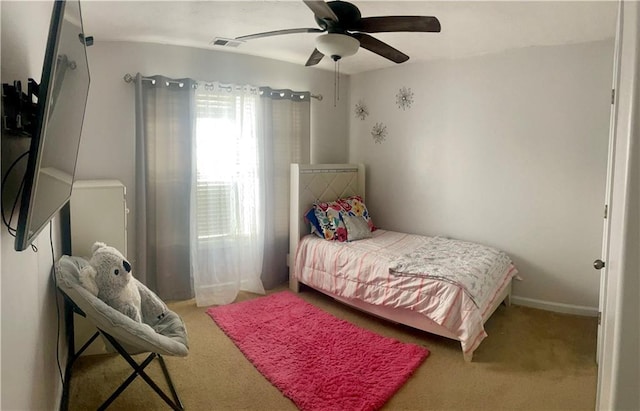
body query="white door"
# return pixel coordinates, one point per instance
(600, 263)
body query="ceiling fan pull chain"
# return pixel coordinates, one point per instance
(335, 82)
(338, 78)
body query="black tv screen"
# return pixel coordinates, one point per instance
(62, 97)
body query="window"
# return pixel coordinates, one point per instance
(214, 209)
(227, 185)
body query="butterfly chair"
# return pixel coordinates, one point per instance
(164, 335)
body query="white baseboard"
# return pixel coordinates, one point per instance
(556, 307)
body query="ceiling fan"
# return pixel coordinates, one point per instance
(346, 30)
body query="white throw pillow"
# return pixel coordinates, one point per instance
(357, 228)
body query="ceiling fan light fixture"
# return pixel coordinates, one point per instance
(336, 45)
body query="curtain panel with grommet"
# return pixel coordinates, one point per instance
(287, 137)
(164, 129)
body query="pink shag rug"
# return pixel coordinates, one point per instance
(317, 360)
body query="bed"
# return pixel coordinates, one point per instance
(405, 278)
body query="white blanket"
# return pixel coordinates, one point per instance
(474, 267)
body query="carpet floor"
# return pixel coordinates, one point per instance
(532, 360)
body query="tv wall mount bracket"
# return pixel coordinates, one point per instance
(19, 111)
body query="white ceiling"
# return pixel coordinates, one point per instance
(468, 27)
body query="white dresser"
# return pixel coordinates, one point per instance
(98, 212)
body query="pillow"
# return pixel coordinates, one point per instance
(354, 206)
(329, 217)
(310, 217)
(357, 228)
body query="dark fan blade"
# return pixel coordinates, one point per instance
(397, 23)
(374, 45)
(278, 32)
(321, 10)
(314, 58)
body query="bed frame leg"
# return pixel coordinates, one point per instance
(468, 356)
(507, 300)
(294, 285)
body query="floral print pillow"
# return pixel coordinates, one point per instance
(330, 220)
(354, 206)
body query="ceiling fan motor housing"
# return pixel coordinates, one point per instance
(347, 13)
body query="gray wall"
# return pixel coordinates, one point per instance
(508, 149)
(30, 379)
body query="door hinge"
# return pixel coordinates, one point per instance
(613, 96)
(599, 317)
(606, 210)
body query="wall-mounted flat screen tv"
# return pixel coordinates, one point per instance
(62, 97)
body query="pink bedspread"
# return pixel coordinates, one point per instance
(360, 270)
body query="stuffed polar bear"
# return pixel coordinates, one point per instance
(109, 277)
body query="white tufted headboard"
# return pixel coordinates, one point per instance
(323, 182)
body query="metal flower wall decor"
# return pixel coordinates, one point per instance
(379, 133)
(361, 110)
(404, 98)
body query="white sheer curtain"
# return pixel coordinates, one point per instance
(227, 217)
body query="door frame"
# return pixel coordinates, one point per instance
(606, 230)
(614, 363)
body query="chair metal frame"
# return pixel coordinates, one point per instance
(138, 369)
